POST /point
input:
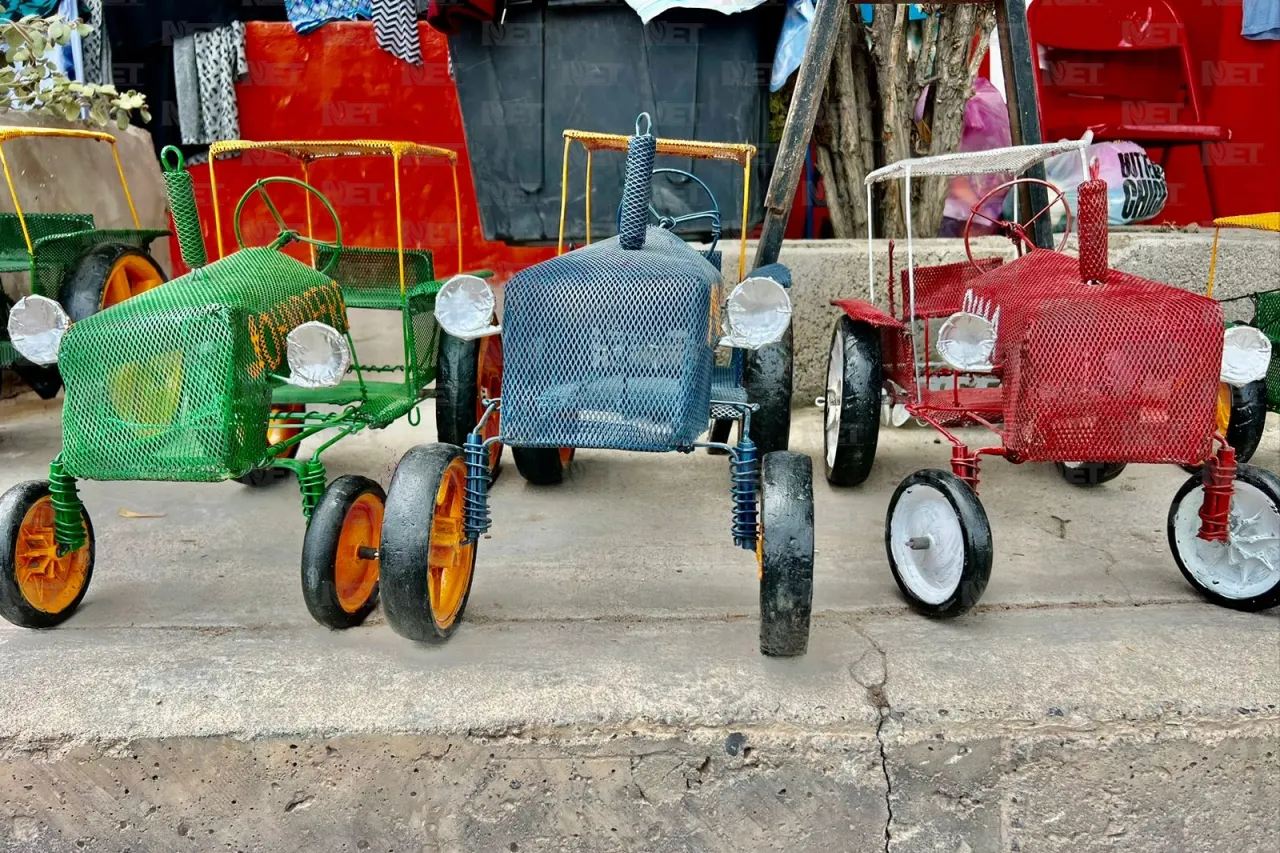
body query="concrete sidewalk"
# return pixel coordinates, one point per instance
(606, 692)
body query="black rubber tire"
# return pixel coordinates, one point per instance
(1267, 483)
(260, 477)
(540, 466)
(406, 544)
(786, 553)
(766, 373)
(719, 431)
(1090, 473)
(45, 381)
(320, 550)
(859, 431)
(976, 534)
(1247, 423)
(13, 604)
(82, 289)
(457, 391)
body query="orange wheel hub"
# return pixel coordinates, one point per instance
(489, 386)
(129, 276)
(283, 429)
(49, 582)
(354, 575)
(1223, 415)
(566, 456)
(452, 557)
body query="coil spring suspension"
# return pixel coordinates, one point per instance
(475, 507)
(68, 511)
(1219, 486)
(965, 466)
(311, 482)
(744, 473)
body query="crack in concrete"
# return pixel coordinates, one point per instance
(879, 699)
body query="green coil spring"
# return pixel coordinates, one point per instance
(311, 481)
(68, 511)
(182, 202)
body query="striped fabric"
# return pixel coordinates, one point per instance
(395, 26)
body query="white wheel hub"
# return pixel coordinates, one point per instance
(1248, 563)
(927, 540)
(835, 397)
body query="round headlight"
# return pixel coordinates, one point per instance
(967, 342)
(759, 311)
(464, 306)
(36, 327)
(1246, 354)
(318, 355)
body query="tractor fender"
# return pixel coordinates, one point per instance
(865, 312)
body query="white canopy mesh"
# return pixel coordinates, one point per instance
(1015, 160)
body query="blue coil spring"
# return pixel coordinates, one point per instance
(744, 471)
(475, 507)
(68, 511)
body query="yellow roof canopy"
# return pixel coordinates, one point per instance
(308, 151)
(1256, 221)
(740, 153)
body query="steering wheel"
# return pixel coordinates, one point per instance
(670, 223)
(287, 235)
(1018, 232)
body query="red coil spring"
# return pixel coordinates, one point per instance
(1219, 485)
(965, 465)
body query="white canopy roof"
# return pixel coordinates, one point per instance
(1015, 159)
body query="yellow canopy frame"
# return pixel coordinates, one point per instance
(740, 153)
(1253, 221)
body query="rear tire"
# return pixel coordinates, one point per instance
(851, 419)
(948, 575)
(1246, 424)
(543, 466)
(88, 288)
(466, 372)
(45, 381)
(766, 373)
(1089, 473)
(784, 552)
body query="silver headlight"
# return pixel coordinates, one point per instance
(1246, 354)
(318, 355)
(36, 327)
(759, 312)
(967, 342)
(464, 308)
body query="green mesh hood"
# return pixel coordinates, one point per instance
(1269, 322)
(174, 384)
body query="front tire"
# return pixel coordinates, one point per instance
(468, 372)
(766, 374)
(939, 543)
(851, 419)
(784, 552)
(1242, 573)
(339, 566)
(427, 564)
(38, 587)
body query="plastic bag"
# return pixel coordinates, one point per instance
(1136, 187)
(986, 126)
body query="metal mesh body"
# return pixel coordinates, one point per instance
(55, 255)
(1268, 320)
(175, 383)
(13, 245)
(186, 217)
(1123, 372)
(940, 290)
(612, 348)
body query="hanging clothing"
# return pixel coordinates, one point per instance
(14, 11)
(449, 16)
(1261, 19)
(307, 15)
(97, 46)
(395, 26)
(206, 66)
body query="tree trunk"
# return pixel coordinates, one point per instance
(877, 79)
